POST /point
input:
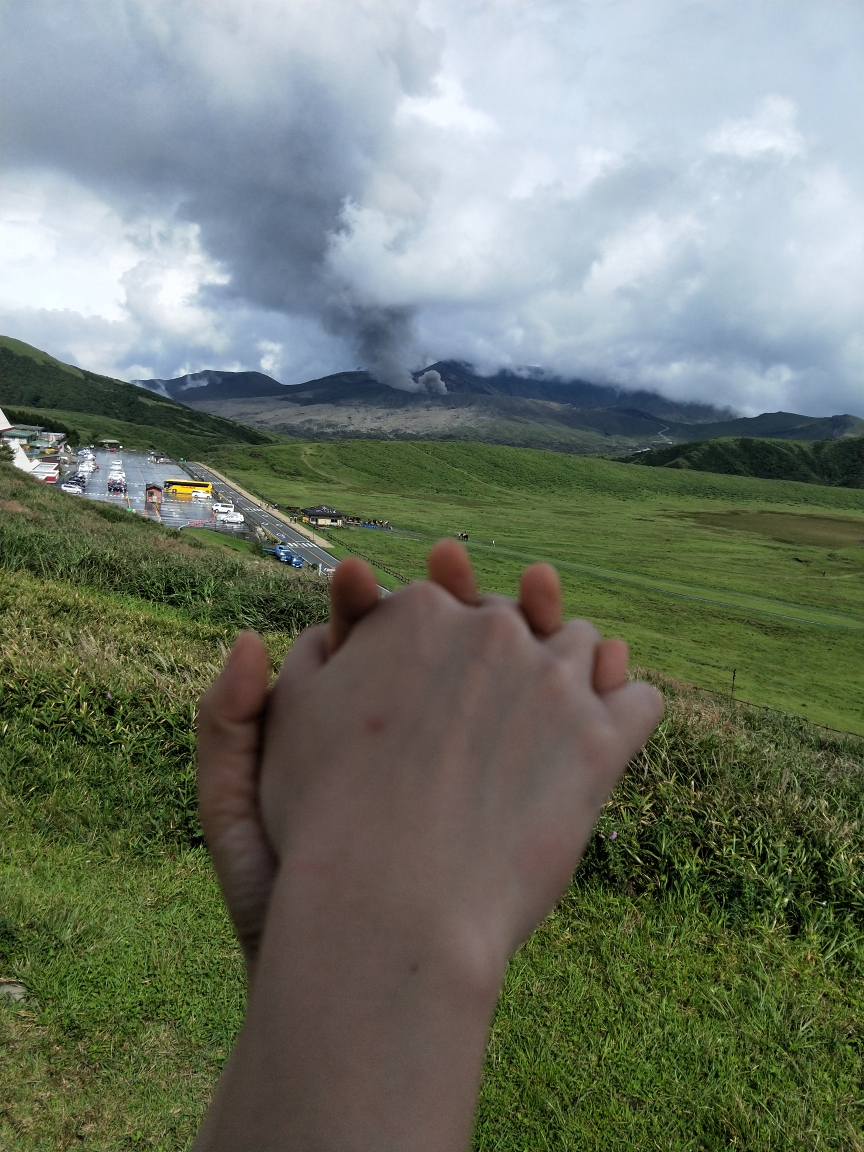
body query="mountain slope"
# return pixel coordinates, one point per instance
(214, 385)
(461, 380)
(528, 411)
(839, 463)
(31, 379)
(521, 409)
(777, 426)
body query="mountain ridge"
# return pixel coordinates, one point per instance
(459, 377)
(529, 409)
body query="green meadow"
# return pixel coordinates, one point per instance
(704, 575)
(699, 986)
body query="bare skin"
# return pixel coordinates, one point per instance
(231, 715)
(430, 769)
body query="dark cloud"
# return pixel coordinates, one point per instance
(242, 119)
(663, 195)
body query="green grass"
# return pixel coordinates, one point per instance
(699, 986)
(833, 462)
(210, 538)
(702, 574)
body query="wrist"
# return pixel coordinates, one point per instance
(366, 1022)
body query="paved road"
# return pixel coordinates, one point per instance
(256, 514)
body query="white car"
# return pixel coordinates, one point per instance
(76, 489)
(199, 495)
(231, 518)
(222, 508)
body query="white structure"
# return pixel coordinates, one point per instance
(19, 457)
(45, 470)
(4, 422)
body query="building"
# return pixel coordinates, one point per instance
(46, 470)
(25, 434)
(322, 517)
(110, 445)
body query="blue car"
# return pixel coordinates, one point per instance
(287, 556)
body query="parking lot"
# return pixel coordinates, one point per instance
(176, 513)
(184, 512)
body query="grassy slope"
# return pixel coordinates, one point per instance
(646, 553)
(832, 462)
(97, 406)
(699, 985)
(779, 426)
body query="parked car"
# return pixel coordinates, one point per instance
(76, 489)
(220, 508)
(231, 518)
(198, 494)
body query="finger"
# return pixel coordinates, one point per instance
(540, 599)
(636, 709)
(353, 593)
(448, 565)
(610, 665)
(240, 691)
(229, 734)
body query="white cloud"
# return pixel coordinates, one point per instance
(447, 109)
(771, 130)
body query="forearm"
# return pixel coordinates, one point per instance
(365, 1030)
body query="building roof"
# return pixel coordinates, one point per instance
(320, 510)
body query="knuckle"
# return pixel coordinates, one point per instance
(583, 632)
(422, 596)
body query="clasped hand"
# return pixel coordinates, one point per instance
(388, 824)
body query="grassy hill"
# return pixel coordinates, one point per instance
(832, 462)
(96, 406)
(777, 426)
(699, 985)
(704, 575)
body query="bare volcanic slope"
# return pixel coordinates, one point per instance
(528, 409)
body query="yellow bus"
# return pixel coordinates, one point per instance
(185, 487)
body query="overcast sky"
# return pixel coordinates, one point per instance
(665, 195)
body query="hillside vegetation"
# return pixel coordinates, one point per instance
(699, 985)
(96, 406)
(832, 462)
(704, 575)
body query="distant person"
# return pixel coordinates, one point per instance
(388, 824)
